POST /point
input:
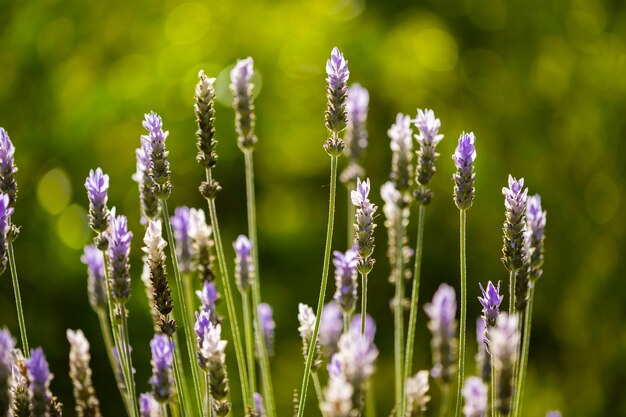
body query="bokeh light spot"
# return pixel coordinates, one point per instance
(602, 198)
(72, 226)
(438, 50)
(187, 23)
(123, 82)
(56, 39)
(54, 191)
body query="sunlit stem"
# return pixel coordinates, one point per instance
(318, 391)
(249, 340)
(399, 316)
(512, 276)
(125, 346)
(462, 325)
(445, 396)
(180, 379)
(521, 383)
(18, 299)
(363, 302)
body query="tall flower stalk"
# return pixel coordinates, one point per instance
(336, 119)
(242, 88)
(463, 178)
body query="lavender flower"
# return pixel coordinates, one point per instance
(394, 213)
(553, 414)
(213, 361)
(370, 326)
(364, 226)
(209, 297)
(357, 355)
(150, 207)
(242, 87)
(87, 404)
(244, 267)
(161, 293)
(490, 301)
(8, 184)
(306, 317)
(97, 185)
(463, 178)
(475, 396)
(201, 245)
(204, 109)
(268, 327)
(159, 165)
(148, 407)
(180, 222)
(356, 132)
(514, 250)
(7, 344)
(503, 344)
(331, 327)
(96, 286)
(536, 223)
(483, 359)
(162, 379)
(39, 378)
(441, 312)
(416, 391)
(428, 139)
(346, 279)
(20, 396)
(118, 253)
(338, 398)
(5, 228)
(402, 153)
(258, 405)
(336, 94)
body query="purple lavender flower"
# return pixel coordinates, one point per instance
(490, 301)
(268, 326)
(514, 250)
(162, 379)
(201, 245)
(364, 226)
(212, 359)
(416, 391)
(159, 165)
(357, 355)
(204, 109)
(201, 327)
(346, 279)
(7, 344)
(428, 139)
(208, 296)
(334, 367)
(148, 407)
(87, 404)
(395, 212)
(118, 253)
(331, 327)
(244, 267)
(503, 344)
(242, 88)
(8, 185)
(402, 153)
(441, 312)
(97, 185)
(356, 132)
(258, 404)
(370, 326)
(475, 396)
(150, 207)
(553, 414)
(464, 158)
(338, 398)
(336, 94)
(536, 223)
(180, 226)
(306, 317)
(96, 286)
(5, 219)
(39, 378)
(483, 359)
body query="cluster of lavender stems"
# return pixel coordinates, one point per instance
(332, 334)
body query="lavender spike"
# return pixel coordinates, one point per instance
(159, 165)
(503, 344)
(268, 327)
(336, 94)
(475, 396)
(441, 312)
(402, 153)
(364, 226)
(162, 379)
(242, 87)
(39, 378)
(346, 279)
(7, 344)
(87, 404)
(150, 207)
(8, 184)
(416, 391)
(119, 262)
(464, 158)
(244, 266)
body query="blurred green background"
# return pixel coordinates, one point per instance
(541, 83)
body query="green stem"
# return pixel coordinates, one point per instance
(443, 407)
(512, 276)
(463, 259)
(264, 362)
(370, 400)
(164, 410)
(399, 316)
(318, 391)
(363, 302)
(493, 388)
(125, 342)
(18, 300)
(187, 326)
(230, 303)
(346, 322)
(174, 410)
(184, 402)
(410, 340)
(248, 335)
(320, 302)
(521, 383)
(189, 297)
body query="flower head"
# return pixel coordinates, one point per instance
(39, 378)
(162, 379)
(209, 297)
(8, 185)
(490, 300)
(212, 359)
(515, 244)
(119, 263)
(402, 153)
(96, 287)
(336, 95)
(97, 185)
(307, 317)
(5, 217)
(159, 165)
(150, 207)
(536, 223)
(331, 327)
(258, 404)
(148, 407)
(204, 109)
(244, 265)
(503, 344)
(202, 245)
(416, 391)
(346, 279)
(268, 326)
(356, 132)
(338, 398)
(463, 178)
(553, 414)
(428, 139)
(87, 403)
(475, 396)
(242, 88)
(7, 344)
(441, 312)
(357, 355)
(364, 226)
(370, 326)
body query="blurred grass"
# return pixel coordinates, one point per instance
(542, 85)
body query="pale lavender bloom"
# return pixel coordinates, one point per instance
(201, 328)
(364, 226)
(241, 87)
(148, 407)
(180, 226)
(159, 165)
(96, 286)
(515, 246)
(395, 213)
(212, 359)
(162, 379)
(490, 301)
(464, 157)
(244, 266)
(503, 344)
(208, 296)
(39, 378)
(268, 326)
(428, 139)
(334, 367)
(441, 312)
(97, 185)
(331, 327)
(536, 223)
(7, 344)
(338, 398)
(346, 279)
(119, 263)
(202, 245)
(8, 185)
(336, 116)
(553, 414)
(416, 391)
(87, 404)
(370, 326)
(258, 405)
(306, 317)
(356, 133)
(357, 355)
(204, 108)
(402, 153)
(150, 207)
(475, 396)
(5, 217)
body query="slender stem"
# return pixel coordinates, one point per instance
(189, 297)
(184, 402)
(417, 270)
(230, 303)
(325, 268)
(399, 316)
(318, 391)
(363, 302)
(174, 410)
(493, 388)
(266, 376)
(521, 383)
(164, 410)
(18, 300)
(129, 361)
(370, 399)
(463, 259)
(248, 335)
(346, 322)
(512, 276)
(187, 326)
(445, 395)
